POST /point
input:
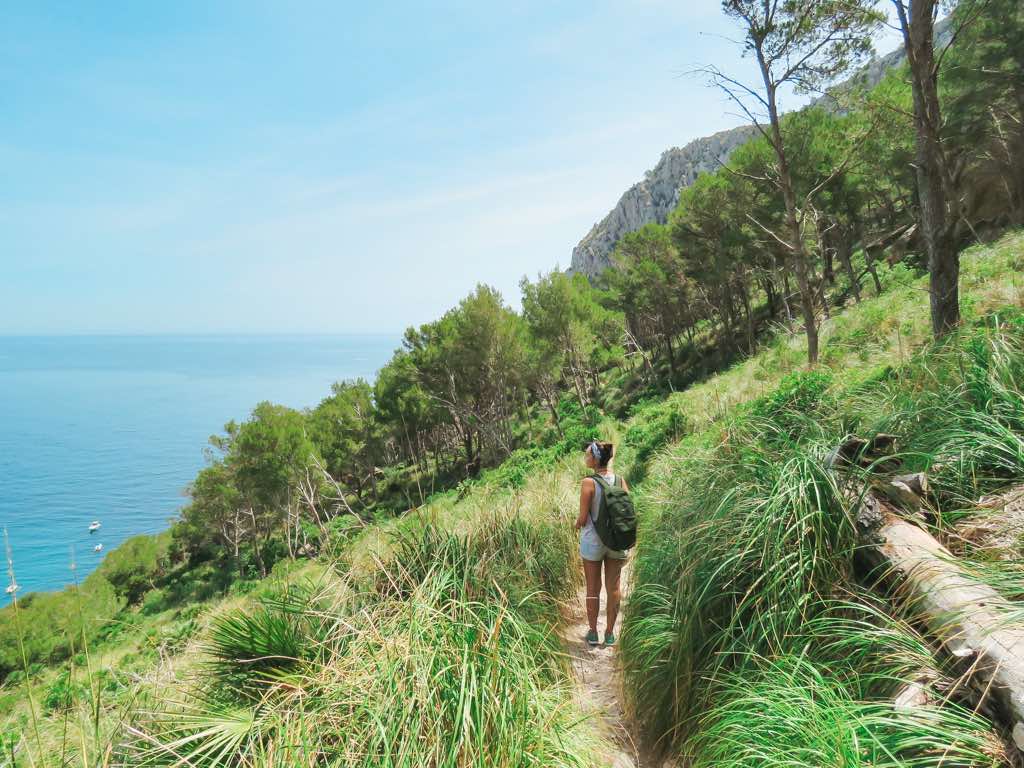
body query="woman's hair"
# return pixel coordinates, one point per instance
(603, 452)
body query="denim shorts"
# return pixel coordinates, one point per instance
(593, 549)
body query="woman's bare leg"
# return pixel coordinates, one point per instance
(592, 572)
(612, 572)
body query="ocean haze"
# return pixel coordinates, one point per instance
(113, 428)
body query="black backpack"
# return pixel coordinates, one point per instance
(616, 518)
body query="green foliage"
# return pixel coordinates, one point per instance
(797, 398)
(650, 287)
(788, 712)
(746, 640)
(983, 88)
(242, 502)
(810, 43)
(154, 601)
(578, 427)
(449, 659)
(346, 430)
(652, 426)
(53, 624)
(746, 533)
(270, 452)
(62, 692)
(966, 411)
(133, 567)
(473, 362)
(248, 648)
(573, 335)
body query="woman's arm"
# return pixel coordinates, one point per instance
(586, 498)
(625, 485)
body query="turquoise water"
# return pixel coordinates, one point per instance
(113, 428)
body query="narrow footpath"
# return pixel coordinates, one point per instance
(598, 680)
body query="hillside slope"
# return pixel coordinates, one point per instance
(754, 635)
(396, 606)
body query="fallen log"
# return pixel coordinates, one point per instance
(917, 483)
(966, 617)
(868, 454)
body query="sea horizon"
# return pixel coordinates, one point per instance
(195, 334)
(113, 427)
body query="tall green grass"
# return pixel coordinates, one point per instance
(790, 712)
(446, 655)
(745, 587)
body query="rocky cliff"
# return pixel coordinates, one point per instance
(656, 196)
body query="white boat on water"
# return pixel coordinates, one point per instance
(12, 589)
(98, 548)
(94, 526)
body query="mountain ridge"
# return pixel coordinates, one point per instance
(655, 196)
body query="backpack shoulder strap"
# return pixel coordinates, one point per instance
(602, 483)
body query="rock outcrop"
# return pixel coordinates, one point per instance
(656, 196)
(652, 199)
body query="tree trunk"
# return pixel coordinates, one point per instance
(786, 293)
(548, 397)
(468, 445)
(671, 356)
(745, 298)
(796, 241)
(1017, 159)
(806, 293)
(768, 286)
(821, 295)
(967, 617)
(843, 251)
(828, 255)
(934, 190)
(869, 263)
(257, 550)
(578, 387)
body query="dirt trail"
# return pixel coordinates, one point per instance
(597, 674)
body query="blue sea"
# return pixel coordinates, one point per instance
(113, 428)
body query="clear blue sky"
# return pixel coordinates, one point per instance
(323, 167)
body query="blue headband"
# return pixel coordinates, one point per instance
(595, 450)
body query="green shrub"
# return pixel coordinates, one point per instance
(154, 601)
(62, 692)
(788, 712)
(800, 391)
(449, 659)
(52, 625)
(133, 567)
(751, 545)
(652, 426)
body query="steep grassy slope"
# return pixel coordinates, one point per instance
(431, 640)
(748, 641)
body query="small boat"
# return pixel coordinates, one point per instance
(94, 526)
(98, 548)
(12, 589)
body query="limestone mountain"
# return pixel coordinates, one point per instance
(653, 198)
(656, 196)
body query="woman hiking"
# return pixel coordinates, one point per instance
(598, 458)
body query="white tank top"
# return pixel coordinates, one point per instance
(595, 503)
